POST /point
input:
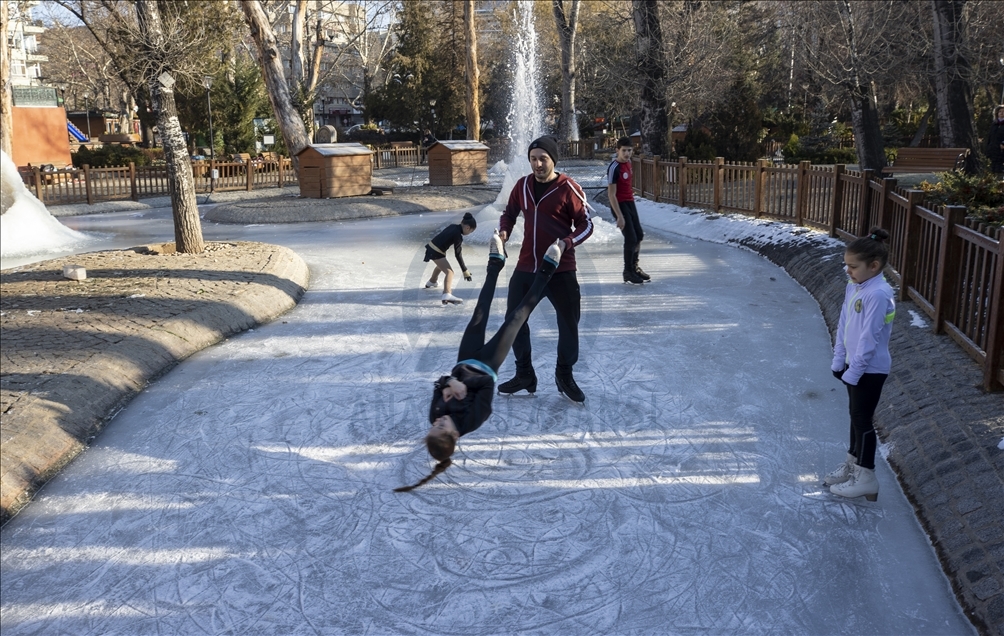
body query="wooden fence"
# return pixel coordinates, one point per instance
(951, 266)
(88, 185)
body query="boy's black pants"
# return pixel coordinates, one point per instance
(563, 292)
(633, 235)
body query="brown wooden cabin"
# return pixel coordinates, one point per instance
(459, 162)
(335, 170)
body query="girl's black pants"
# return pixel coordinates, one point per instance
(494, 352)
(862, 401)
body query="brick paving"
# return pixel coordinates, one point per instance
(941, 431)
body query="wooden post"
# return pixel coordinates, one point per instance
(682, 176)
(250, 175)
(87, 184)
(864, 203)
(760, 176)
(133, 190)
(36, 175)
(719, 175)
(656, 181)
(837, 200)
(993, 369)
(888, 185)
(910, 239)
(802, 193)
(280, 161)
(948, 264)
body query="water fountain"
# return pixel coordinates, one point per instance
(26, 227)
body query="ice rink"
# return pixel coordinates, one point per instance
(249, 491)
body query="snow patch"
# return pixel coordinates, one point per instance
(26, 227)
(916, 320)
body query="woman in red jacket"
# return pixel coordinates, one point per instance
(462, 401)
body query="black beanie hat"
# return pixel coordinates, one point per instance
(548, 144)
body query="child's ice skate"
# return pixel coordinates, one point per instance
(431, 285)
(841, 473)
(450, 299)
(553, 253)
(862, 482)
(496, 248)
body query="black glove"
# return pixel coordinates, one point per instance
(467, 275)
(839, 374)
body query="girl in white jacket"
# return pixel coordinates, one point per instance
(861, 359)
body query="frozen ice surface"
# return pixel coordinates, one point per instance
(249, 491)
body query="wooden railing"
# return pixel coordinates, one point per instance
(89, 185)
(951, 266)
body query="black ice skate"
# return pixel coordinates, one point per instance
(632, 278)
(523, 381)
(568, 387)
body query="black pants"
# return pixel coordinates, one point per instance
(633, 235)
(563, 292)
(494, 352)
(862, 401)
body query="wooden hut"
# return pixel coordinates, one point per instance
(458, 162)
(335, 170)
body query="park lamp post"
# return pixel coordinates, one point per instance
(207, 81)
(87, 114)
(432, 105)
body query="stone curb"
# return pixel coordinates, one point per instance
(941, 432)
(41, 436)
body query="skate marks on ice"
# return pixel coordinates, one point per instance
(249, 491)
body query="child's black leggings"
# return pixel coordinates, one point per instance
(494, 352)
(862, 401)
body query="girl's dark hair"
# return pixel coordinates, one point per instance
(440, 467)
(872, 247)
(469, 221)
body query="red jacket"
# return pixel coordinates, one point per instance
(560, 214)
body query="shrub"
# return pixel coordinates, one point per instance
(983, 195)
(111, 155)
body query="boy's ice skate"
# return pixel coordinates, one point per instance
(450, 299)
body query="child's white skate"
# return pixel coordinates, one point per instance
(431, 285)
(450, 299)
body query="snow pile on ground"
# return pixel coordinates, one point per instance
(26, 227)
(727, 228)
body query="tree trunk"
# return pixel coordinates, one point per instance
(187, 226)
(654, 113)
(290, 124)
(6, 101)
(953, 81)
(924, 122)
(864, 116)
(473, 74)
(568, 127)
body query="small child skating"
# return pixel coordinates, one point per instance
(462, 401)
(621, 198)
(435, 251)
(861, 359)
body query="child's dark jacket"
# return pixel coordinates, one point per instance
(471, 412)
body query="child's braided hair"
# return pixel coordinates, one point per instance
(872, 247)
(440, 467)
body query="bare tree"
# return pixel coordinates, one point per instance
(294, 132)
(6, 102)
(472, 73)
(156, 44)
(953, 80)
(567, 23)
(652, 66)
(857, 46)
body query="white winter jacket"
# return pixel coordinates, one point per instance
(862, 344)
